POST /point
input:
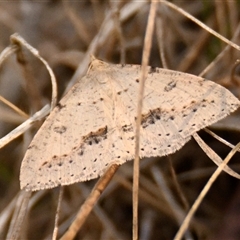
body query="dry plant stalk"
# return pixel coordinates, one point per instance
(143, 77)
(205, 190)
(88, 205)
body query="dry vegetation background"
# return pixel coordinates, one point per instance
(65, 35)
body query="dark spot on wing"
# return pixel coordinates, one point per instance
(44, 163)
(151, 117)
(81, 152)
(95, 137)
(171, 85)
(127, 128)
(60, 129)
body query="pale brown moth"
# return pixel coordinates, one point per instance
(93, 126)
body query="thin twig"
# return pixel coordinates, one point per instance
(203, 193)
(167, 194)
(24, 126)
(160, 39)
(221, 54)
(219, 138)
(16, 39)
(55, 231)
(13, 107)
(118, 27)
(201, 24)
(213, 156)
(145, 59)
(89, 203)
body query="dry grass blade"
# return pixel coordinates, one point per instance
(213, 156)
(221, 54)
(103, 218)
(219, 138)
(87, 206)
(8, 51)
(180, 10)
(145, 59)
(60, 198)
(18, 40)
(117, 23)
(161, 41)
(20, 212)
(175, 207)
(203, 193)
(24, 126)
(12, 106)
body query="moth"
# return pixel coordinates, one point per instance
(93, 126)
